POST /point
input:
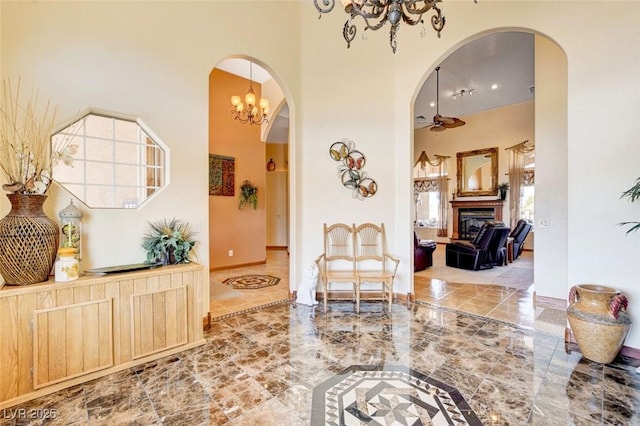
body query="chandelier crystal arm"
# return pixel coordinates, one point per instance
(367, 17)
(412, 6)
(437, 21)
(376, 13)
(324, 6)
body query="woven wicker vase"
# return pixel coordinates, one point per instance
(28, 241)
(599, 321)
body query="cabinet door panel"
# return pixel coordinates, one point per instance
(159, 320)
(72, 340)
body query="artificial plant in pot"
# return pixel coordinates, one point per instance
(502, 189)
(28, 238)
(169, 241)
(632, 194)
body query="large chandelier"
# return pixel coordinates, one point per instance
(376, 13)
(249, 113)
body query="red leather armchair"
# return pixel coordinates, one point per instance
(422, 253)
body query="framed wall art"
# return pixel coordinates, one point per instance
(221, 175)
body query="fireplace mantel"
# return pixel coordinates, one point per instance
(496, 205)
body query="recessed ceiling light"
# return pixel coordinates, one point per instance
(494, 86)
(432, 104)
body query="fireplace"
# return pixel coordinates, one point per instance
(468, 216)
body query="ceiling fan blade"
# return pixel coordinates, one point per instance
(447, 120)
(456, 122)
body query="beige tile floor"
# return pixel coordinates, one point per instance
(440, 286)
(226, 301)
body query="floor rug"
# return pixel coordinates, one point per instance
(518, 274)
(244, 282)
(374, 395)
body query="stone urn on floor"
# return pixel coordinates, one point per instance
(599, 321)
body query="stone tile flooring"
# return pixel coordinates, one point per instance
(261, 367)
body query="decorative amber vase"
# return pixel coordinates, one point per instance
(28, 241)
(599, 321)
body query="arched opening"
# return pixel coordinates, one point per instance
(249, 243)
(499, 84)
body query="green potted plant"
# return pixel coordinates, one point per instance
(632, 194)
(502, 188)
(248, 195)
(169, 241)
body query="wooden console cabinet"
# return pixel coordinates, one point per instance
(56, 335)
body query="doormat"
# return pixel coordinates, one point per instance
(244, 282)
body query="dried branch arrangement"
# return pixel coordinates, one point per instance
(25, 141)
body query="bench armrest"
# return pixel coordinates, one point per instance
(320, 262)
(395, 262)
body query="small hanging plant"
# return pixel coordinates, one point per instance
(248, 195)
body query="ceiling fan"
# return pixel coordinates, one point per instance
(440, 123)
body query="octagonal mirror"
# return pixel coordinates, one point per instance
(109, 162)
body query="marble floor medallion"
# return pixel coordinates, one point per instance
(388, 395)
(251, 281)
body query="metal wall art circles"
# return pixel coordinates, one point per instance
(368, 187)
(355, 160)
(350, 169)
(350, 179)
(340, 150)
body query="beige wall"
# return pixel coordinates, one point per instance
(153, 59)
(241, 230)
(552, 195)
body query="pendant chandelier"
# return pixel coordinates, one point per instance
(249, 113)
(376, 13)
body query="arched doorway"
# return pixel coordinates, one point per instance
(243, 237)
(500, 125)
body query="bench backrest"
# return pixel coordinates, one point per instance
(338, 246)
(370, 246)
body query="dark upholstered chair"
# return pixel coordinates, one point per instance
(422, 253)
(483, 252)
(519, 234)
(497, 247)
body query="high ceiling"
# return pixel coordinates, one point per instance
(504, 59)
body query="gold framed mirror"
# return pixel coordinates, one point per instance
(477, 172)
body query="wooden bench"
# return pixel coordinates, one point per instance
(357, 255)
